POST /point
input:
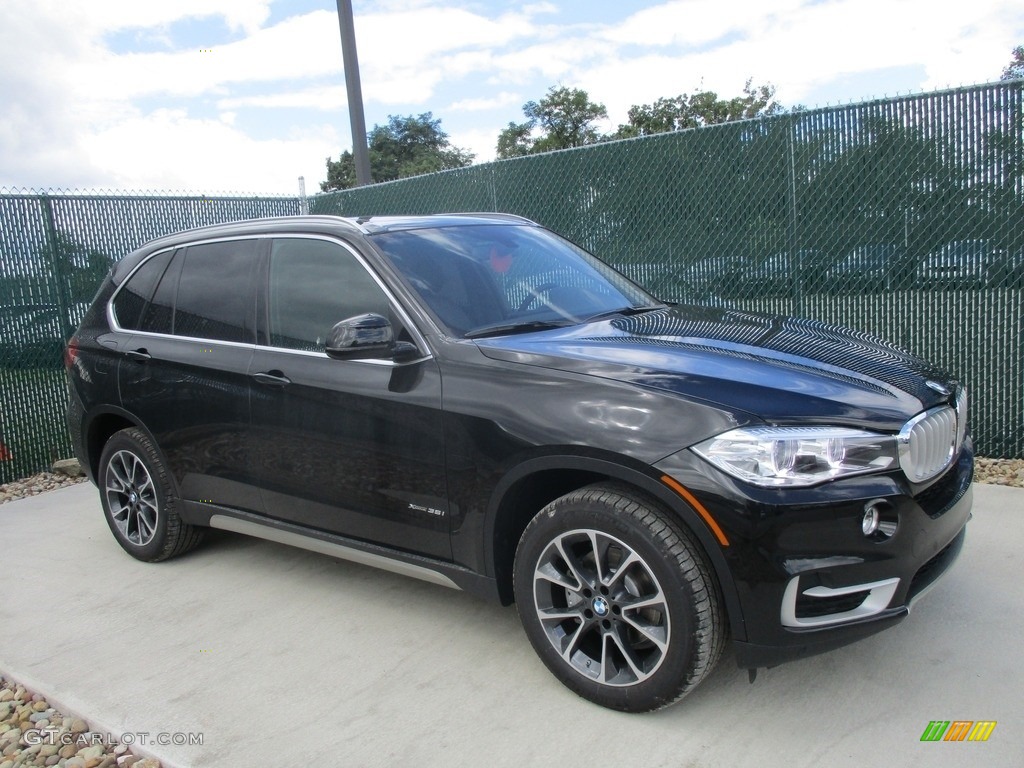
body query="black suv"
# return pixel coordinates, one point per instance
(475, 401)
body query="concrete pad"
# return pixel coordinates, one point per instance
(282, 657)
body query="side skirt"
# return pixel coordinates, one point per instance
(403, 563)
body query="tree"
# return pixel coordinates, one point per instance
(405, 146)
(565, 118)
(697, 109)
(1015, 69)
(515, 140)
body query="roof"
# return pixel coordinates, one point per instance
(336, 225)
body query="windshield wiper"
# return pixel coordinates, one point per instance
(625, 311)
(509, 328)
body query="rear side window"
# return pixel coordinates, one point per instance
(158, 316)
(134, 294)
(215, 298)
(313, 285)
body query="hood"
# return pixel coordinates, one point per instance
(781, 370)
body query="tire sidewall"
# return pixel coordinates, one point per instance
(138, 445)
(672, 677)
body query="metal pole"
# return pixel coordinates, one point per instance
(355, 92)
(303, 200)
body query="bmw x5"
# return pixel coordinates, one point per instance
(475, 401)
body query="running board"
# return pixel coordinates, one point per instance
(331, 548)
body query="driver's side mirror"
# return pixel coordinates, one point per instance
(367, 337)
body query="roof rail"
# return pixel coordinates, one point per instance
(493, 215)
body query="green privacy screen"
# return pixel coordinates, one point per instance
(54, 251)
(902, 217)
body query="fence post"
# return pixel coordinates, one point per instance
(793, 262)
(303, 200)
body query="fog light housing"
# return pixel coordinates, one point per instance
(870, 521)
(880, 520)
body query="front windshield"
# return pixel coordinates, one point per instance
(493, 278)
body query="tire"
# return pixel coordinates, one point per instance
(139, 502)
(617, 599)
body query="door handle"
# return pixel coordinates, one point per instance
(139, 355)
(272, 378)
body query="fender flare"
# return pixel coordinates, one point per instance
(643, 481)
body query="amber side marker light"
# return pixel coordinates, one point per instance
(701, 510)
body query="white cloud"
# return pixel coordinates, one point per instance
(168, 149)
(481, 142)
(804, 50)
(112, 15)
(299, 47)
(79, 113)
(327, 98)
(503, 99)
(692, 22)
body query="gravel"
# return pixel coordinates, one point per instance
(32, 486)
(999, 472)
(32, 733)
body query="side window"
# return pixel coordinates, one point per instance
(158, 316)
(313, 285)
(215, 298)
(133, 296)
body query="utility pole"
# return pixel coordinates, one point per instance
(355, 93)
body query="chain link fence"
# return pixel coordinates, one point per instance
(903, 217)
(54, 251)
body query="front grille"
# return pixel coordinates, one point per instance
(928, 443)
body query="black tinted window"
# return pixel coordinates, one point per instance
(158, 316)
(132, 298)
(313, 285)
(215, 299)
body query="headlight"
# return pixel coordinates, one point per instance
(798, 456)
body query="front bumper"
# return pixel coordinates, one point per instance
(802, 577)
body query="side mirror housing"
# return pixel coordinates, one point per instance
(366, 337)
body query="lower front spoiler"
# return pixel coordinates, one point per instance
(812, 641)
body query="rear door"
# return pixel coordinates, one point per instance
(353, 447)
(184, 370)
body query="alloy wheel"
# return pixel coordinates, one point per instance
(131, 498)
(601, 607)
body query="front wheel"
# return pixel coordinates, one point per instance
(617, 599)
(138, 499)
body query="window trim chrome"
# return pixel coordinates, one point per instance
(418, 337)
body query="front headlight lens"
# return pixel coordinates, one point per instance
(798, 456)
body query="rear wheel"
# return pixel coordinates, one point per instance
(138, 499)
(617, 599)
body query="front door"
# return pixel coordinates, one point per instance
(351, 447)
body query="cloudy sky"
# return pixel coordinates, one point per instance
(248, 95)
